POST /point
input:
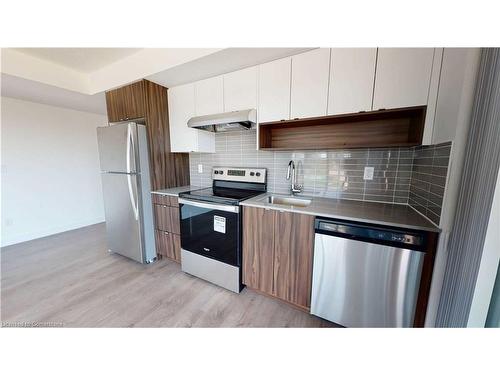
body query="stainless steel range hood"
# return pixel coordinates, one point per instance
(223, 122)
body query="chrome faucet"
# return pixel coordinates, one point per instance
(291, 174)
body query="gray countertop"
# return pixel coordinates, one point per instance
(368, 212)
(176, 190)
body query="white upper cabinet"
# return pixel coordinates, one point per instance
(402, 77)
(240, 90)
(455, 96)
(209, 97)
(181, 107)
(309, 87)
(274, 90)
(352, 73)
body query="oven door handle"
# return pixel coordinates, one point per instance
(212, 206)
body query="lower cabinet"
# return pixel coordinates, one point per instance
(168, 245)
(277, 254)
(258, 248)
(293, 255)
(167, 227)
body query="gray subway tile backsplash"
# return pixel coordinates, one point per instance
(430, 170)
(411, 175)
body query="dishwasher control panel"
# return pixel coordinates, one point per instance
(369, 232)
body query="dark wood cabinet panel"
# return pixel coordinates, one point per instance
(293, 255)
(167, 169)
(166, 200)
(426, 280)
(148, 101)
(175, 225)
(135, 100)
(168, 245)
(162, 217)
(162, 241)
(258, 248)
(176, 247)
(115, 106)
(384, 128)
(174, 201)
(126, 103)
(278, 254)
(160, 199)
(167, 218)
(167, 228)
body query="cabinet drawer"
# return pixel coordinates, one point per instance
(162, 217)
(167, 218)
(174, 201)
(168, 245)
(166, 200)
(160, 199)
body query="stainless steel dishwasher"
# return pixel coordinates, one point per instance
(366, 275)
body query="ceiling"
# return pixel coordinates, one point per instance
(25, 89)
(84, 60)
(77, 77)
(221, 62)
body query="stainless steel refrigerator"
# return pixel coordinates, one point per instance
(123, 154)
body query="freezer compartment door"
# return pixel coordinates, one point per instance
(122, 211)
(118, 148)
(360, 284)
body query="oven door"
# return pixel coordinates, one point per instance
(211, 230)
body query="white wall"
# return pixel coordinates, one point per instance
(451, 123)
(50, 170)
(488, 267)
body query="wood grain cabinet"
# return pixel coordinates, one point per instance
(258, 248)
(148, 101)
(277, 254)
(168, 245)
(167, 226)
(293, 254)
(126, 103)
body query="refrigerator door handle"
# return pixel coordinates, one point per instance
(130, 145)
(133, 201)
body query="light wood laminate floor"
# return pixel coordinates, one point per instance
(71, 280)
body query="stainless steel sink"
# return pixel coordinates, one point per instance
(289, 201)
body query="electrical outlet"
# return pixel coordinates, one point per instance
(368, 175)
(200, 168)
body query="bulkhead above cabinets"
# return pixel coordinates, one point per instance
(317, 83)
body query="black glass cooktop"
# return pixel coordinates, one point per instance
(220, 195)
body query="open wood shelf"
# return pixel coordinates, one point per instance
(400, 127)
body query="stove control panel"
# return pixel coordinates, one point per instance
(256, 175)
